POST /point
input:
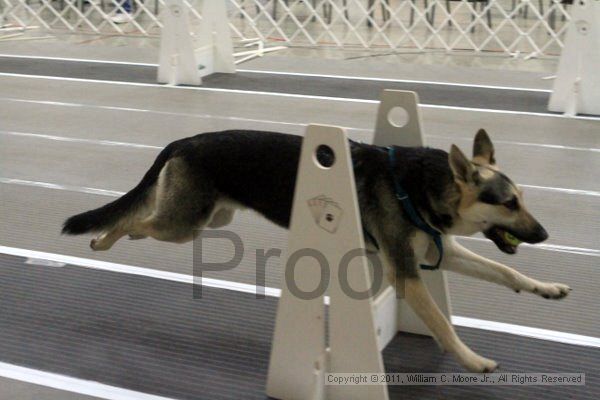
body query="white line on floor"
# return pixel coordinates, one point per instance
(537, 333)
(257, 71)
(68, 188)
(519, 330)
(85, 60)
(264, 121)
(422, 82)
(528, 144)
(197, 88)
(544, 246)
(128, 269)
(490, 110)
(563, 190)
(74, 385)
(293, 95)
(173, 113)
(80, 140)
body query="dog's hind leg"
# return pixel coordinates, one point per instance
(184, 202)
(221, 218)
(422, 303)
(136, 237)
(105, 240)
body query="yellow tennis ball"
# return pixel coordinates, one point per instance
(510, 239)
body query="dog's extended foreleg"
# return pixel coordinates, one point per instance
(422, 303)
(461, 260)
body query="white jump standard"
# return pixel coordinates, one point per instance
(188, 54)
(359, 329)
(185, 55)
(577, 82)
(389, 132)
(299, 358)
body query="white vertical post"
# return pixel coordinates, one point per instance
(187, 56)
(214, 34)
(325, 220)
(407, 133)
(577, 84)
(177, 63)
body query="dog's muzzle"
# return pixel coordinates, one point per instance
(507, 240)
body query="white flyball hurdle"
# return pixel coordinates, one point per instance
(577, 83)
(327, 237)
(186, 54)
(389, 133)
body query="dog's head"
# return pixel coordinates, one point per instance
(490, 200)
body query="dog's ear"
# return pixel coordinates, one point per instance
(483, 149)
(461, 166)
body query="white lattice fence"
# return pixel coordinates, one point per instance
(507, 26)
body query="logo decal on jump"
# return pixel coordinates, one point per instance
(326, 212)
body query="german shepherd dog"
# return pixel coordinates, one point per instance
(200, 181)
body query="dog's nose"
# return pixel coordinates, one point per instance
(540, 235)
(544, 234)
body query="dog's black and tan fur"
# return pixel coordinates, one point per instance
(200, 181)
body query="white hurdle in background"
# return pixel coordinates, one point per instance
(577, 83)
(187, 55)
(359, 329)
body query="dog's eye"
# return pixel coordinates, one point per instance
(511, 204)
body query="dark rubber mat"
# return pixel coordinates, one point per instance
(150, 335)
(447, 95)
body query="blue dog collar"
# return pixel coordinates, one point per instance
(413, 214)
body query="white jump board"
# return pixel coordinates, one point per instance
(299, 358)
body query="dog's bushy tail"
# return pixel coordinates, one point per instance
(109, 214)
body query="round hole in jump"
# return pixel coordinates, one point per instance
(398, 117)
(325, 156)
(582, 27)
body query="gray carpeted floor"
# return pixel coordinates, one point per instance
(150, 335)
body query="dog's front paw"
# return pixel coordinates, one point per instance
(473, 361)
(551, 290)
(481, 364)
